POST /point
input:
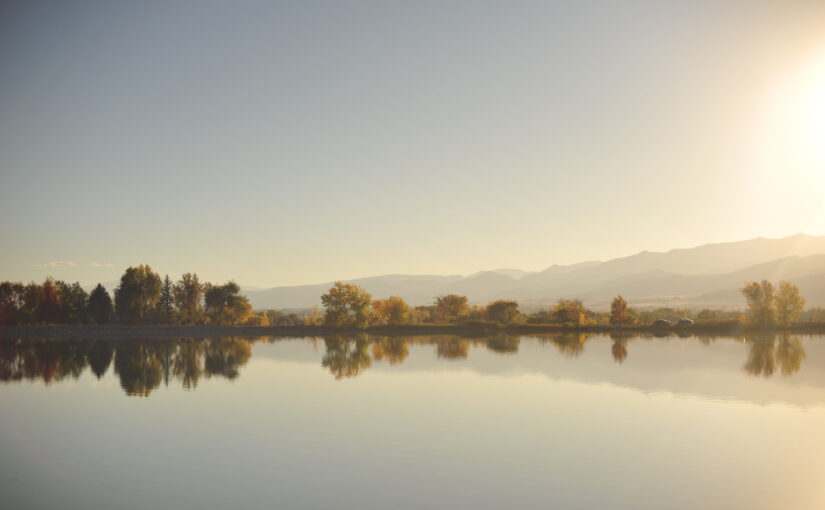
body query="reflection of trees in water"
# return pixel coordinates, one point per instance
(186, 365)
(504, 344)
(451, 347)
(138, 367)
(346, 356)
(141, 365)
(571, 345)
(766, 352)
(790, 353)
(619, 350)
(224, 356)
(394, 348)
(619, 347)
(99, 357)
(46, 360)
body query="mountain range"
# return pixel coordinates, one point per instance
(705, 276)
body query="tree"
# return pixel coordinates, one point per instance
(100, 305)
(569, 311)
(165, 308)
(346, 305)
(451, 307)
(188, 293)
(760, 298)
(618, 310)
(789, 304)
(74, 303)
(137, 294)
(502, 310)
(225, 305)
(393, 310)
(48, 309)
(12, 300)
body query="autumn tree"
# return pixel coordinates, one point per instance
(568, 311)
(760, 299)
(393, 310)
(100, 305)
(451, 307)
(188, 297)
(618, 310)
(502, 310)
(789, 304)
(346, 305)
(137, 294)
(225, 305)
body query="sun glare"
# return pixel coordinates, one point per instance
(813, 114)
(791, 151)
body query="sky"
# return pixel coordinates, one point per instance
(303, 142)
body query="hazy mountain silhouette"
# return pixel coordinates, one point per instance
(708, 275)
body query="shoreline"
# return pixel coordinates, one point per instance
(119, 331)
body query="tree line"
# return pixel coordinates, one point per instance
(143, 297)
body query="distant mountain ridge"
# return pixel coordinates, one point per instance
(705, 276)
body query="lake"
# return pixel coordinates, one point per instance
(564, 421)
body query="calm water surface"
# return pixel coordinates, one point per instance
(414, 422)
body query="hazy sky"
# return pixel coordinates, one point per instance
(305, 141)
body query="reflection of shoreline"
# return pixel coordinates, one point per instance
(143, 365)
(109, 332)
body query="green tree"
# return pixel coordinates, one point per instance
(618, 311)
(188, 293)
(346, 305)
(789, 304)
(760, 299)
(137, 294)
(451, 308)
(502, 310)
(100, 305)
(165, 308)
(225, 305)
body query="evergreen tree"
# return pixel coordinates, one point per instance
(166, 303)
(100, 305)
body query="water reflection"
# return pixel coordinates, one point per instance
(143, 365)
(766, 351)
(347, 356)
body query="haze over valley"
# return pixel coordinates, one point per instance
(707, 276)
